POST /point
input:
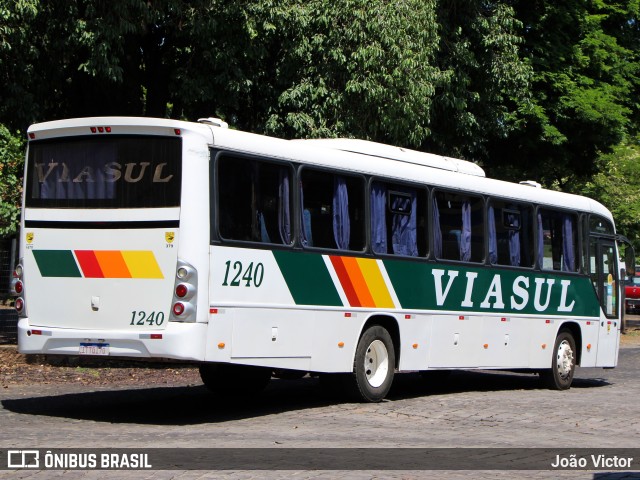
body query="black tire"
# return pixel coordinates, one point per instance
(373, 366)
(227, 380)
(563, 363)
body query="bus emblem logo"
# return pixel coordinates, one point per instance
(29, 237)
(169, 236)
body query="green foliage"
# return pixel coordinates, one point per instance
(487, 79)
(617, 186)
(585, 61)
(358, 68)
(529, 88)
(11, 168)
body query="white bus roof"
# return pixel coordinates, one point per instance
(358, 156)
(400, 154)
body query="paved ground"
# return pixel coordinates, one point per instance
(479, 409)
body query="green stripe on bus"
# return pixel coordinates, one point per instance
(308, 279)
(423, 286)
(56, 263)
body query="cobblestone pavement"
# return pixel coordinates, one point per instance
(473, 409)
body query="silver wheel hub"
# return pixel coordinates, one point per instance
(376, 363)
(564, 359)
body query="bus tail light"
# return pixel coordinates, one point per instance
(17, 289)
(178, 309)
(19, 304)
(183, 306)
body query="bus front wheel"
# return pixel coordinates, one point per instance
(227, 380)
(373, 366)
(563, 363)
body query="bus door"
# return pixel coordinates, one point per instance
(605, 278)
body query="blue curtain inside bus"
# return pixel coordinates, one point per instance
(568, 252)
(402, 221)
(79, 173)
(437, 231)
(404, 214)
(341, 221)
(378, 218)
(284, 209)
(493, 241)
(514, 239)
(465, 237)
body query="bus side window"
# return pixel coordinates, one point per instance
(254, 199)
(332, 210)
(510, 230)
(398, 220)
(557, 241)
(458, 227)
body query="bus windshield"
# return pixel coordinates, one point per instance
(104, 172)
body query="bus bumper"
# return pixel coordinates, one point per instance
(179, 341)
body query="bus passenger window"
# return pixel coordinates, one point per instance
(254, 201)
(557, 244)
(398, 220)
(332, 213)
(510, 229)
(458, 227)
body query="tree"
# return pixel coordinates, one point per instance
(584, 85)
(486, 81)
(357, 68)
(11, 168)
(617, 186)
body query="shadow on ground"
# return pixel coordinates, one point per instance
(194, 404)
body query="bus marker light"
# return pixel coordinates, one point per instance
(408, 317)
(588, 323)
(340, 344)
(461, 317)
(155, 336)
(182, 272)
(547, 321)
(221, 345)
(415, 346)
(347, 315)
(486, 345)
(177, 131)
(503, 319)
(213, 311)
(101, 129)
(544, 345)
(94, 129)
(178, 309)
(107, 129)
(36, 332)
(588, 346)
(32, 135)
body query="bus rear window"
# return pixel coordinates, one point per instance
(104, 172)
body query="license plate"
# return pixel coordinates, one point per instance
(94, 349)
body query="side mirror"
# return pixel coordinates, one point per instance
(630, 260)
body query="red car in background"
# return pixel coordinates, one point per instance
(632, 294)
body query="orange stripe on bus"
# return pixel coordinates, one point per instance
(358, 281)
(375, 281)
(112, 264)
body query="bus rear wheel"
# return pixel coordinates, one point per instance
(373, 366)
(563, 363)
(227, 380)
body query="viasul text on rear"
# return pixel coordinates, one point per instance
(104, 266)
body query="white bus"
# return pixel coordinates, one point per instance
(250, 255)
